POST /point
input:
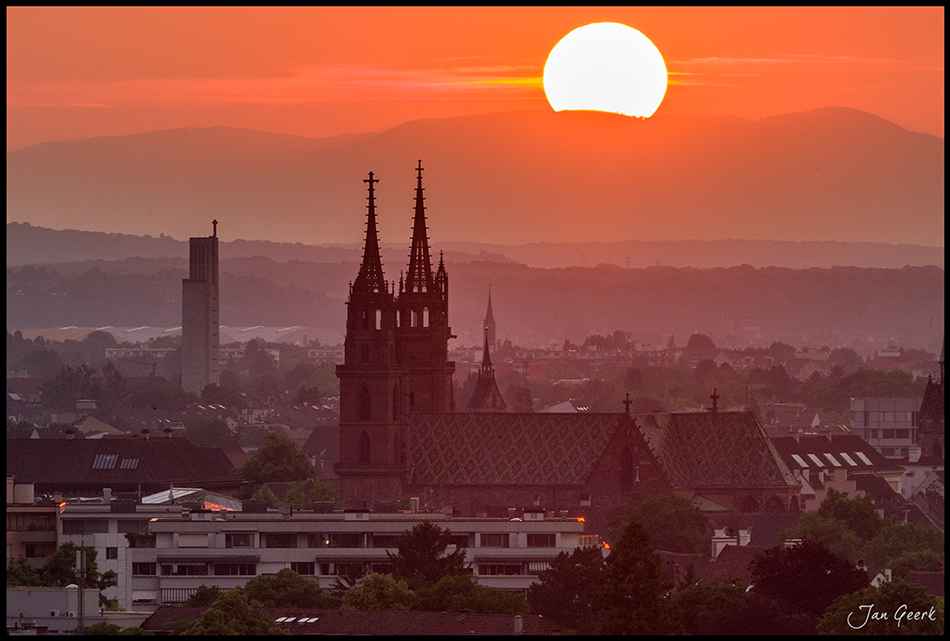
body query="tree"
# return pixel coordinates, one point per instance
(461, 593)
(211, 433)
(565, 592)
(421, 557)
(286, 589)
(845, 358)
(673, 523)
(378, 592)
(233, 614)
(807, 576)
(700, 341)
(859, 513)
(280, 459)
(21, 573)
(850, 614)
(203, 596)
(60, 569)
(629, 597)
(70, 385)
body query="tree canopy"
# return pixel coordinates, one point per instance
(629, 597)
(565, 592)
(461, 593)
(807, 576)
(421, 557)
(378, 592)
(673, 523)
(279, 459)
(232, 613)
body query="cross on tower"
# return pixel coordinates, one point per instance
(715, 399)
(419, 169)
(372, 180)
(214, 224)
(627, 402)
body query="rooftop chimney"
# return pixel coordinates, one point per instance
(519, 624)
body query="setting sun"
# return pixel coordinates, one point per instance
(605, 66)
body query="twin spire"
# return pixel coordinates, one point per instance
(419, 277)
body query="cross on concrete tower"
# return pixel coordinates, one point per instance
(715, 399)
(627, 403)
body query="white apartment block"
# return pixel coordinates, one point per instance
(227, 549)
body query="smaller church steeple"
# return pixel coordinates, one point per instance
(370, 277)
(486, 397)
(490, 322)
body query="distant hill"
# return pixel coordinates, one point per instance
(31, 245)
(504, 178)
(736, 306)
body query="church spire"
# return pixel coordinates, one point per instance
(490, 322)
(370, 277)
(419, 277)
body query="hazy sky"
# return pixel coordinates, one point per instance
(74, 73)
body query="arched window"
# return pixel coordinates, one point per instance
(379, 319)
(414, 316)
(626, 469)
(364, 405)
(364, 354)
(425, 316)
(364, 448)
(365, 319)
(395, 403)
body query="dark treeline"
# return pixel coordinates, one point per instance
(737, 306)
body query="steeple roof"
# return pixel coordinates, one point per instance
(489, 318)
(419, 276)
(486, 396)
(370, 277)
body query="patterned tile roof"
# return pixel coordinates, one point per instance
(714, 449)
(508, 449)
(705, 449)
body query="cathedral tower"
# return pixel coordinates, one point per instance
(422, 323)
(373, 422)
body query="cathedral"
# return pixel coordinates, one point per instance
(401, 436)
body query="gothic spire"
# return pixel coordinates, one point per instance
(489, 318)
(487, 369)
(419, 277)
(370, 277)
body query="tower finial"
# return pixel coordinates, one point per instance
(214, 227)
(370, 277)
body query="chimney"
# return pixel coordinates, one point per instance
(519, 624)
(107, 495)
(913, 454)
(145, 432)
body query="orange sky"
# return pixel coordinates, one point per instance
(80, 72)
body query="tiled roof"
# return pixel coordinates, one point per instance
(806, 448)
(373, 622)
(507, 449)
(714, 449)
(707, 449)
(73, 462)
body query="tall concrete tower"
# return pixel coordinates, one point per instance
(199, 315)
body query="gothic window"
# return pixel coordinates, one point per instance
(365, 319)
(399, 449)
(364, 405)
(414, 315)
(364, 354)
(626, 469)
(425, 316)
(364, 448)
(395, 403)
(379, 319)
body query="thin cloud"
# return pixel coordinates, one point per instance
(302, 84)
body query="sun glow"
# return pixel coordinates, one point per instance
(605, 66)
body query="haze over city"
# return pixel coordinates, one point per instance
(475, 320)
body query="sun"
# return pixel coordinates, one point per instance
(605, 66)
